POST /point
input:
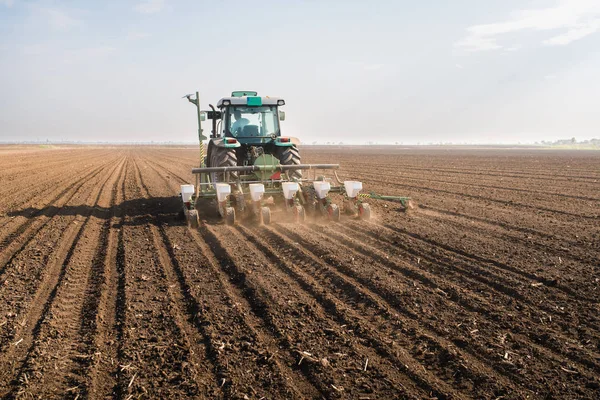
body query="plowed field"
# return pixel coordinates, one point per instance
(489, 288)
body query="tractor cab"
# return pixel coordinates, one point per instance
(251, 119)
(246, 130)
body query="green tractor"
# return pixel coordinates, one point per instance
(246, 127)
(251, 170)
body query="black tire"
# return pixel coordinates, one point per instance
(290, 156)
(266, 215)
(222, 157)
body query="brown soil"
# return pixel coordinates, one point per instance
(489, 288)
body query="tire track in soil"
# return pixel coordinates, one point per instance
(37, 329)
(29, 192)
(495, 187)
(102, 336)
(22, 277)
(14, 242)
(416, 336)
(246, 362)
(562, 316)
(234, 351)
(331, 383)
(70, 326)
(533, 330)
(490, 222)
(517, 174)
(376, 328)
(25, 191)
(187, 310)
(511, 203)
(479, 233)
(574, 230)
(156, 357)
(495, 272)
(28, 169)
(396, 301)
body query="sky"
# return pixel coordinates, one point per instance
(383, 71)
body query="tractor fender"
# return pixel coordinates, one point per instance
(222, 142)
(293, 142)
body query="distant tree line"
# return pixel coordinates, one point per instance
(570, 142)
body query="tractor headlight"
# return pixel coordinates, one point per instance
(281, 102)
(226, 102)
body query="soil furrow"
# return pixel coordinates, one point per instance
(101, 334)
(49, 302)
(397, 299)
(385, 340)
(313, 350)
(530, 314)
(17, 239)
(32, 265)
(253, 344)
(51, 354)
(512, 203)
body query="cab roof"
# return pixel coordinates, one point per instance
(250, 101)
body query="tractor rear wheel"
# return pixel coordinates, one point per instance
(222, 157)
(290, 156)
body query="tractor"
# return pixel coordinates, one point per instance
(251, 169)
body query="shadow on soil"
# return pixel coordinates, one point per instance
(132, 212)
(155, 210)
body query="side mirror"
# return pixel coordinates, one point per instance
(282, 115)
(202, 116)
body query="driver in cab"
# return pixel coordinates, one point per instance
(239, 123)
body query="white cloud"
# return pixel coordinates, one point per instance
(574, 34)
(149, 6)
(576, 18)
